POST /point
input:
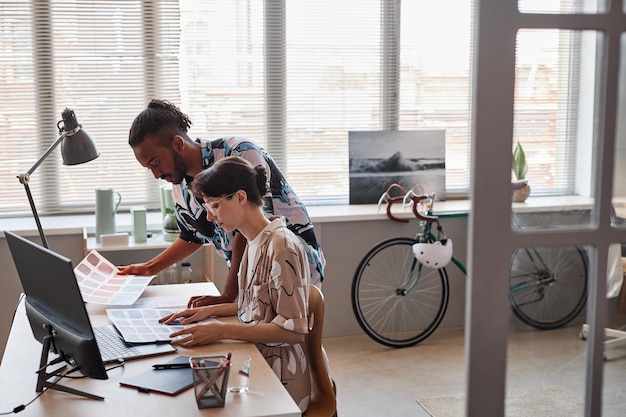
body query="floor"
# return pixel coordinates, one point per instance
(373, 380)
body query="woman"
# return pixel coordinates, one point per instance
(274, 277)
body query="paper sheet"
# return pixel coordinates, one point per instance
(141, 325)
(100, 283)
(175, 301)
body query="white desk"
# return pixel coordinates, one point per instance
(266, 396)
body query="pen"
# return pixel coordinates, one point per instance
(171, 366)
(209, 378)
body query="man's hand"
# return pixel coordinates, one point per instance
(135, 269)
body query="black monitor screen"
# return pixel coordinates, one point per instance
(55, 306)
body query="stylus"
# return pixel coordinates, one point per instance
(171, 366)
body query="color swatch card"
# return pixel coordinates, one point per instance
(100, 283)
(141, 325)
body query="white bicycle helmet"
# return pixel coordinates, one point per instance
(434, 255)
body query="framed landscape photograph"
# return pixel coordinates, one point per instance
(406, 157)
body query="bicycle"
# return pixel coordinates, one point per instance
(399, 302)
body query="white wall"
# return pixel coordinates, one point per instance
(69, 245)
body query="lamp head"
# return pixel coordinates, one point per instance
(78, 147)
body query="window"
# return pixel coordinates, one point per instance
(295, 77)
(103, 60)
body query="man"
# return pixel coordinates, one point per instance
(159, 139)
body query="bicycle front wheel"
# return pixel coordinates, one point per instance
(548, 285)
(397, 301)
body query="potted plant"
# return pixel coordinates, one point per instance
(521, 189)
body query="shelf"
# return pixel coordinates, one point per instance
(155, 242)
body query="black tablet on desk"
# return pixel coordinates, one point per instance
(164, 380)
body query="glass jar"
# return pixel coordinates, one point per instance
(171, 274)
(185, 273)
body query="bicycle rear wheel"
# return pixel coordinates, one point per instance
(548, 285)
(397, 301)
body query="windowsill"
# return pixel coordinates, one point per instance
(64, 224)
(449, 208)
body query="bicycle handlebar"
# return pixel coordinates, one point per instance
(415, 200)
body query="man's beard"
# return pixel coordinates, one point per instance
(180, 169)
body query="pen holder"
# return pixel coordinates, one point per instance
(210, 379)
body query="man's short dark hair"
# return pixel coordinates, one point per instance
(161, 118)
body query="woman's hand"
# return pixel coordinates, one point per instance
(199, 334)
(187, 316)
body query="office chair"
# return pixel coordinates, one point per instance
(616, 270)
(323, 401)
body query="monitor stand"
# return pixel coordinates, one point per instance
(43, 375)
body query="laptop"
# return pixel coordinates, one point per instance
(48, 280)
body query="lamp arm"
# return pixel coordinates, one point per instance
(24, 178)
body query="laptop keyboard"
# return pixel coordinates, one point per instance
(111, 345)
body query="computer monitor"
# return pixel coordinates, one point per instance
(56, 312)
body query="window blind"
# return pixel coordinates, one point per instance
(546, 107)
(436, 79)
(294, 77)
(102, 59)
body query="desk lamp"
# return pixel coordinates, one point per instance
(78, 147)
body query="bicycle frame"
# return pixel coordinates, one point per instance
(428, 219)
(545, 277)
(535, 283)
